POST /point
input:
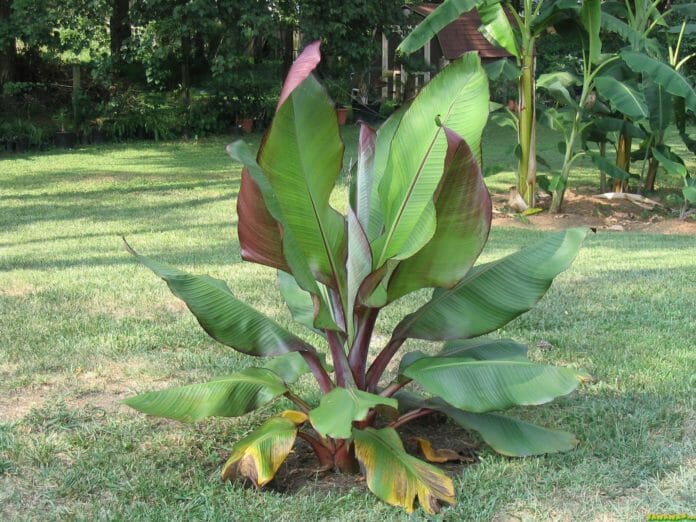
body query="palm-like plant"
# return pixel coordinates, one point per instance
(418, 217)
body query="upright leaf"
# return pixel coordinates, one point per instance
(446, 13)
(340, 407)
(259, 455)
(458, 98)
(365, 174)
(395, 476)
(463, 213)
(493, 294)
(659, 105)
(225, 318)
(591, 18)
(622, 97)
(301, 68)
(496, 27)
(483, 386)
(230, 396)
(358, 267)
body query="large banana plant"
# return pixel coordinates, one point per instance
(418, 217)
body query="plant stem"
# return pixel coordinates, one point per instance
(326, 459)
(357, 357)
(394, 387)
(338, 355)
(298, 401)
(318, 371)
(374, 374)
(411, 415)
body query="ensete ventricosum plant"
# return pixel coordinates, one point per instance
(418, 217)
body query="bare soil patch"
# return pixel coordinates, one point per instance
(585, 208)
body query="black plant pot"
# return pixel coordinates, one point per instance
(66, 140)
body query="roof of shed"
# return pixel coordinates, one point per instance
(462, 35)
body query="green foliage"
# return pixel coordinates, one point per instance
(418, 218)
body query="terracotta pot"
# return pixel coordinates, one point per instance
(247, 125)
(342, 115)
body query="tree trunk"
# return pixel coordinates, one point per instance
(623, 159)
(8, 53)
(120, 30)
(76, 88)
(602, 174)
(526, 172)
(652, 174)
(186, 80)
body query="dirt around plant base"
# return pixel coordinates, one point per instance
(299, 472)
(586, 208)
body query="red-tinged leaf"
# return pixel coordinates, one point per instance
(358, 266)
(306, 62)
(463, 212)
(259, 234)
(365, 174)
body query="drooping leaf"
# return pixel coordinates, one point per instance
(557, 89)
(458, 98)
(224, 317)
(609, 168)
(230, 396)
(437, 455)
(591, 19)
(485, 349)
(302, 141)
(496, 27)
(446, 13)
(483, 386)
(395, 476)
(622, 97)
(662, 74)
(464, 212)
(671, 166)
(634, 38)
(299, 302)
(340, 407)
(289, 367)
(551, 13)
(493, 294)
(689, 193)
(503, 68)
(259, 455)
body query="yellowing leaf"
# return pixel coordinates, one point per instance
(395, 476)
(259, 455)
(297, 417)
(437, 455)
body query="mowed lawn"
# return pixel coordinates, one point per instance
(82, 327)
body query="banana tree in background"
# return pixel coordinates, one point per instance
(519, 39)
(418, 217)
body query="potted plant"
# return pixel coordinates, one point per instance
(64, 139)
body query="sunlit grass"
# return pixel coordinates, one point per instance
(82, 327)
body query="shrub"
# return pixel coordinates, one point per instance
(418, 217)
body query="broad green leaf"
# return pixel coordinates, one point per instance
(446, 13)
(463, 213)
(299, 302)
(689, 193)
(496, 27)
(301, 157)
(259, 455)
(340, 407)
(506, 435)
(591, 19)
(290, 366)
(609, 168)
(485, 349)
(458, 98)
(493, 294)
(668, 164)
(557, 90)
(395, 476)
(230, 396)
(662, 74)
(659, 105)
(483, 386)
(224, 317)
(552, 12)
(383, 140)
(622, 97)
(503, 68)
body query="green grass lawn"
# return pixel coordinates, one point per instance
(82, 327)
